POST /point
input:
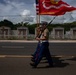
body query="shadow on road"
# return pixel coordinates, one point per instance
(58, 63)
(73, 59)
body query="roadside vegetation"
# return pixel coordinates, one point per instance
(31, 27)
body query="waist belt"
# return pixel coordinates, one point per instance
(44, 41)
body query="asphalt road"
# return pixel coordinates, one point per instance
(26, 48)
(15, 58)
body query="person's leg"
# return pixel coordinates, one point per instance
(48, 55)
(37, 50)
(39, 56)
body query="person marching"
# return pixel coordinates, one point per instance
(44, 48)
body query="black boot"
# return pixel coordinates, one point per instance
(33, 60)
(33, 65)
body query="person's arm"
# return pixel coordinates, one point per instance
(44, 37)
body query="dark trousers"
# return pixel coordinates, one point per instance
(36, 53)
(44, 50)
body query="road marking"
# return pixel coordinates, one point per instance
(64, 56)
(18, 56)
(12, 46)
(2, 56)
(29, 56)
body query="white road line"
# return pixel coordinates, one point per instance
(2, 56)
(29, 56)
(16, 56)
(12, 46)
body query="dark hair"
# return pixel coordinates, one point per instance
(44, 23)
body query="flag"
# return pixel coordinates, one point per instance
(37, 7)
(54, 7)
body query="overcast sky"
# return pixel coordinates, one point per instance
(24, 10)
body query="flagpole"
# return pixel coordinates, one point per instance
(52, 20)
(38, 20)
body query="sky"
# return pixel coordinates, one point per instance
(18, 11)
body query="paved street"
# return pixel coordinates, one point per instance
(15, 58)
(27, 48)
(20, 66)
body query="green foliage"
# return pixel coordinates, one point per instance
(31, 27)
(6, 23)
(66, 26)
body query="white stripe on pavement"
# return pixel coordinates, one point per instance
(18, 56)
(12, 46)
(29, 56)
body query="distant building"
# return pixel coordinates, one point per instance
(22, 32)
(5, 32)
(58, 33)
(67, 35)
(73, 33)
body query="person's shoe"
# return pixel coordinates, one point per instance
(33, 65)
(32, 57)
(33, 60)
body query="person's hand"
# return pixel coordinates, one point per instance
(38, 39)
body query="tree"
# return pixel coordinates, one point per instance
(6, 23)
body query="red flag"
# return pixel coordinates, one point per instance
(54, 7)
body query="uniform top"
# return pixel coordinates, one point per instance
(45, 34)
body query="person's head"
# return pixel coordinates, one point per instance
(38, 30)
(44, 25)
(40, 27)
